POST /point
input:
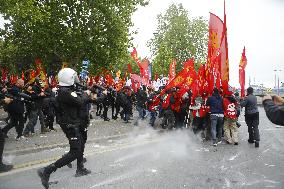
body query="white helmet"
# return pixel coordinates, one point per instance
(67, 77)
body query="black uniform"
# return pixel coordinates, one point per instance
(3, 167)
(48, 108)
(69, 104)
(16, 110)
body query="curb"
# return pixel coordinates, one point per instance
(41, 148)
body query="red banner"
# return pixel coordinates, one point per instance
(129, 68)
(216, 27)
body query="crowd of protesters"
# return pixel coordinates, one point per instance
(214, 117)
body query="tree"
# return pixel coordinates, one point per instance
(67, 30)
(179, 37)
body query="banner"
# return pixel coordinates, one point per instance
(129, 68)
(216, 28)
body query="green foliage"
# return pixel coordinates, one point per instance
(179, 37)
(66, 30)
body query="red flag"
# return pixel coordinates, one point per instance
(4, 75)
(144, 65)
(38, 66)
(172, 69)
(184, 79)
(135, 80)
(108, 79)
(135, 56)
(216, 28)
(13, 79)
(242, 66)
(189, 64)
(144, 70)
(201, 79)
(23, 76)
(129, 68)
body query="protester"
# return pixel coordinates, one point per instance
(4, 167)
(230, 119)
(215, 102)
(251, 116)
(168, 101)
(16, 110)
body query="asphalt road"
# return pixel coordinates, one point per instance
(177, 159)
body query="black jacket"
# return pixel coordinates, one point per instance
(49, 105)
(69, 105)
(17, 105)
(273, 112)
(141, 98)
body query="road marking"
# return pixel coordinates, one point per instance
(40, 163)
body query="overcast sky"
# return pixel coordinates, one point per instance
(256, 24)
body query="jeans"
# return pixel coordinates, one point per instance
(217, 124)
(153, 115)
(141, 114)
(32, 122)
(252, 121)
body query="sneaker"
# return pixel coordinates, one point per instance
(44, 178)
(215, 144)
(82, 172)
(219, 142)
(5, 168)
(256, 144)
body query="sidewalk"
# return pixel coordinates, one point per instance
(98, 130)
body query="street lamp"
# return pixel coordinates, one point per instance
(277, 76)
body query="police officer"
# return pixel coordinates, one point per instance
(16, 110)
(69, 104)
(4, 167)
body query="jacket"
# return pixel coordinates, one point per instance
(230, 108)
(273, 112)
(141, 98)
(250, 104)
(17, 105)
(215, 102)
(69, 105)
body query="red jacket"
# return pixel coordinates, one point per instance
(230, 110)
